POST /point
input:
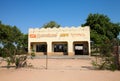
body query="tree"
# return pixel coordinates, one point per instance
(12, 42)
(23, 43)
(103, 31)
(51, 24)
(101, 28)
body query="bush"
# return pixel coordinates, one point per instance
(19, 61)
(107, 60)
(32, 54)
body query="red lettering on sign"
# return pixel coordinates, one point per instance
(32, 35)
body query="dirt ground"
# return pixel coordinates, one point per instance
(57, 70)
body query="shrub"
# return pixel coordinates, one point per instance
(19, 61)
(107, 60)
(32, 54)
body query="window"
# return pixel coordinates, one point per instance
(60, 47)
(41, 48)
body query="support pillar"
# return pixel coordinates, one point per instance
(89, 48)
(29, 47)
(70, 49)
(49, 48)
(34, 47)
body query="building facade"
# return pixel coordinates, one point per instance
(59, 41)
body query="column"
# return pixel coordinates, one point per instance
(89, 48)
(70, 48)
(49, 48)
(34, 47)
(29, 45)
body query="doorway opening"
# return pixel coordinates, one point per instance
(78, 49)
(81, 48)
(60, 48)
(41, 48)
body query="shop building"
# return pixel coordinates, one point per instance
(59, 41)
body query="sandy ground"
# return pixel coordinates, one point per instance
(58, 70)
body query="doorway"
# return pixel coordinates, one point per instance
(81, 48)
(60, 47)
(78, 49)
(41, 48)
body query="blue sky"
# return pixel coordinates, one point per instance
(27, 14)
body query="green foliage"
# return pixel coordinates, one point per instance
(95, 65)
(106, 63)
(107, 59)
(20, 61)
(51, 24)
(11, 39)
(23, 44)
(103, 32)
(106, 49)
(8, 62)
(101, 28)
(32, 54)
(12, 43)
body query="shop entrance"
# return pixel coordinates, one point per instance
(81, 48)
(41, 48)
(60, 48)
(78, 49)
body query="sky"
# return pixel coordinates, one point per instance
(27, 14)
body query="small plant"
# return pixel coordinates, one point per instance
(95, 65)
(32, 54)
(8, 62)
